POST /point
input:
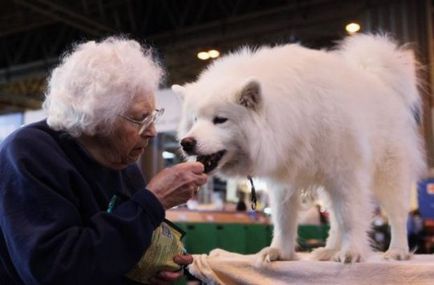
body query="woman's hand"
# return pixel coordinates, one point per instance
(177, 184)
(168, 277)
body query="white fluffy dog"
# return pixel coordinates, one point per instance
(299, 118)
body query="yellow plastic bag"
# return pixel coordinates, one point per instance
(165, 244)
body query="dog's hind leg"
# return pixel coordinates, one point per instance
(333, 243)
(284, 205)
(392, 189)
(350, 202)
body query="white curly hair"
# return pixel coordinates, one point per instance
(95, 82)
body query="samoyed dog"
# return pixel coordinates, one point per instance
(345, 120)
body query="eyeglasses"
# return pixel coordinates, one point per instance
(147, 121)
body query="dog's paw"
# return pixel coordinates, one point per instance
(269, 254)
(322, 254)
(348, 256)
(397, 254)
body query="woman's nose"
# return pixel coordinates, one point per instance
(150, 131)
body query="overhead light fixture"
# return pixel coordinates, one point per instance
(204, 55)
(213, 53)
(352, 28)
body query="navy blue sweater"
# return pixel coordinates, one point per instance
(54, 228)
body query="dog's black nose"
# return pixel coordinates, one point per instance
(188, 144)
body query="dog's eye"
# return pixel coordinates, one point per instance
(219, 120)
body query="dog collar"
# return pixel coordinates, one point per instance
(253, 194)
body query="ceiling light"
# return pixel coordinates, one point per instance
(352, 28)
(203, 55)
(213, 53)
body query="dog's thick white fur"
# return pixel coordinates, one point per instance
(299, 118)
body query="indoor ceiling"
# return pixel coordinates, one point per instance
(34, 33)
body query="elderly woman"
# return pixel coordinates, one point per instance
(59, 175)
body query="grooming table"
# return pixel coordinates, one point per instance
(223, 267)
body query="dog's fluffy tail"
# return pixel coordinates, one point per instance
(380, 55)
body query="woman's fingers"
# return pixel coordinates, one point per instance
(166, 277)
(184, 259)
(195, 167)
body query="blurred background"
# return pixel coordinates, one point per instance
(186, 36)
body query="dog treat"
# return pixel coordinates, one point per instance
(211, 161)
(206, 164)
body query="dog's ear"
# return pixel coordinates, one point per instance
(250, 95)
(179, 90)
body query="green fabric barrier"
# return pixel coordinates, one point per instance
(201, 238)
(311, 236)
(243, 238)
(231, 237)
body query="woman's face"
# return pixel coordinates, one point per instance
(125, 144)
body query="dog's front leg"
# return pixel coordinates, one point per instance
(284, 208)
